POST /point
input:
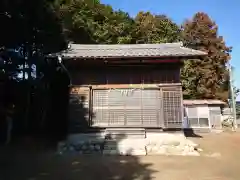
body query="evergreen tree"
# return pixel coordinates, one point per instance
(205, 78)
(155, 29)
(90, 21)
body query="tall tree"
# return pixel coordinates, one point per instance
(205, 78)
(28, 22)
(29, 30)
(151, 28)
(89, 21)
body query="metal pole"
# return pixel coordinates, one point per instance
(233, 99)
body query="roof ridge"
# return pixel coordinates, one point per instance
(125, 46)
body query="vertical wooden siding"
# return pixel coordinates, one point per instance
(126, 75)
(79, 109)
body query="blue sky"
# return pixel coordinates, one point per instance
(225, 13)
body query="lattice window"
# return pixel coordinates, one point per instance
(198, 116)
(172, 108)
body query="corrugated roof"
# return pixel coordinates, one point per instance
(199, 102)
(129, 50)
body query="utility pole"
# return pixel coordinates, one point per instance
(233, 98)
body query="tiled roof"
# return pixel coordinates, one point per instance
(201, 102)
(129, 50)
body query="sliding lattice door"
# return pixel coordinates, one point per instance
(127, 107)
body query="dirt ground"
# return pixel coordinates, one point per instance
(219, 160)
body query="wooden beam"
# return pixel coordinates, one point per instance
(127, 86)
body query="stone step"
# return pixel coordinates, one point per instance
(131, 153)
(125, 129)
(122, 133)
(125, 145)
(119, 136)
(86, 137)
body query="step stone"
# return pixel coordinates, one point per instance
(124, 133)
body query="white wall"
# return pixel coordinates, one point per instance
(197, 114)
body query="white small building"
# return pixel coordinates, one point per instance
(203, 114)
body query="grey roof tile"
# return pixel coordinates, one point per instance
(129, 50)
(202, 101)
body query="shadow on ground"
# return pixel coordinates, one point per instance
(190, 133)
(20, 163)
